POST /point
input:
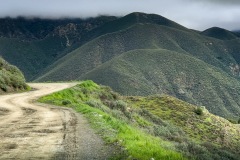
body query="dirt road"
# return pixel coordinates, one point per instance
(36, 131)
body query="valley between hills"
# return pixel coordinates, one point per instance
(142, 87)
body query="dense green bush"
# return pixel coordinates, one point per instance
(199, 111)
(66, 102)
(11, 78)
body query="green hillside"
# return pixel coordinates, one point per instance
(146, 72)
(141, 36)
(11, 78)
(153, 127)
(211, 78)
(205, 72)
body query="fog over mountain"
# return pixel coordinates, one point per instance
(191, 13)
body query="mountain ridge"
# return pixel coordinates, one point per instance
(162, 38)
(73, 52)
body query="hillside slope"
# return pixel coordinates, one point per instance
(157, 127)
(146, 72)
(142, 36)
(33, 44)
(212, 83)
(75, 49)
(11, 78)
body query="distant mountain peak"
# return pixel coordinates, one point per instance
(219, 33)
(140, 17)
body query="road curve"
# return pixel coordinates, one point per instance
(36, 131)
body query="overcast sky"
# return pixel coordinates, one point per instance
(196, 14)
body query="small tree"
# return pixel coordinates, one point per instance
(239, 121)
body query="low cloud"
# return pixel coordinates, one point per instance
(219, 2)
(197, 14)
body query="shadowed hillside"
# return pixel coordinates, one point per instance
(33, 44)
(219, 33)
(237, 33)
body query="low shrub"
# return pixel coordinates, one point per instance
(199, 111)
(98, 104)
(66, 102)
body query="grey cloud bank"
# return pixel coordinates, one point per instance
(196, 14)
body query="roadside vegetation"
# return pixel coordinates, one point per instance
(154, 127)
(114, 121)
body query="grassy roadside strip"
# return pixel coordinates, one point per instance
(112, 122)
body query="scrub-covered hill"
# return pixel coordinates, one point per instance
(144, 36)
(152, 127)
(138, 54)
(11, 78)
(195, 68)
(157, 71)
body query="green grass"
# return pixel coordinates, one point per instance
(159, 127)
(203, 127)
(89, 99)
(136, 143)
